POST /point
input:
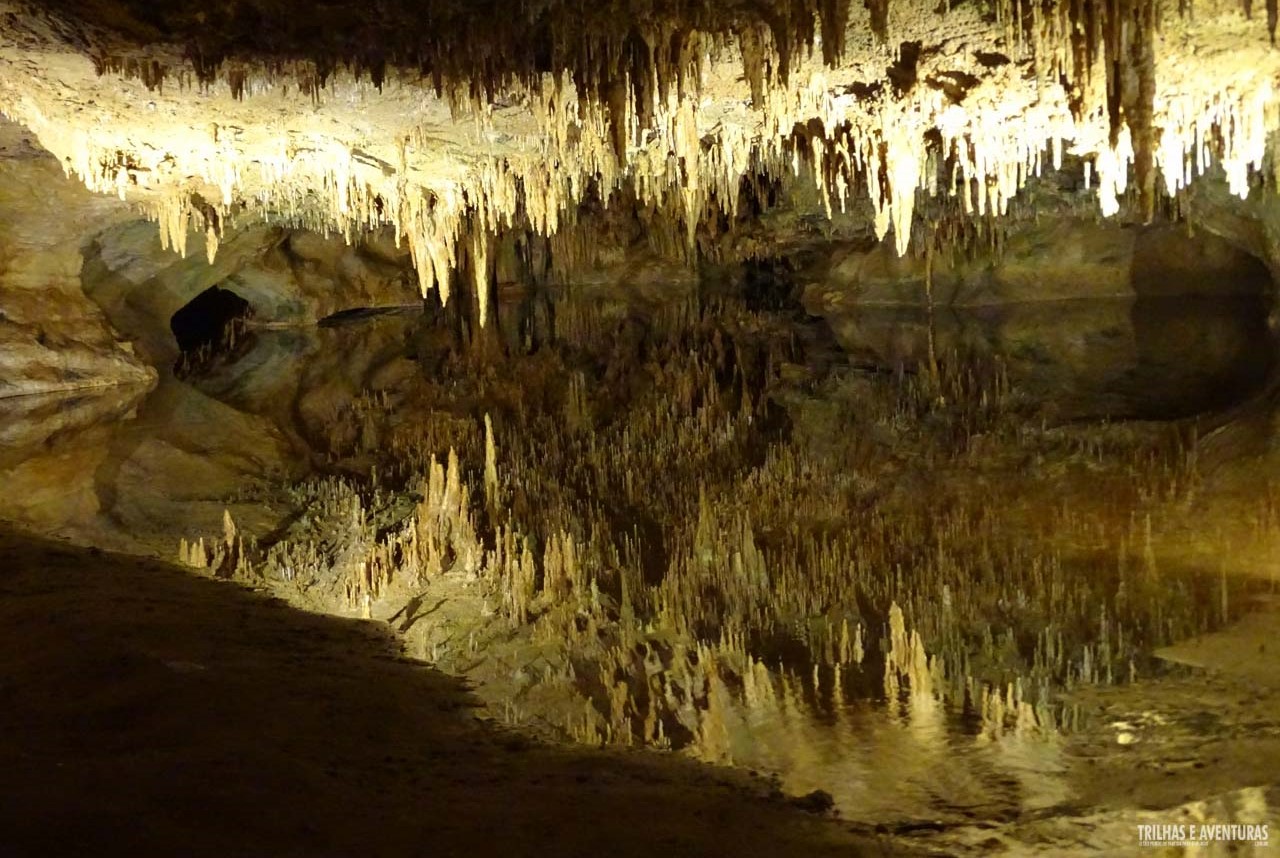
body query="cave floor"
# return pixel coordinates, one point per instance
(145, 710)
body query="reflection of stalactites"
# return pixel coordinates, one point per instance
(906, 659)
(490, 463)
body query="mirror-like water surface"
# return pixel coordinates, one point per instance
(874, 555)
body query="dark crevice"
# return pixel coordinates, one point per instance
(210, 327)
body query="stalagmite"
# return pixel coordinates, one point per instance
(490, 463)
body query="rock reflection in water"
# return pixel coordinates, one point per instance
(833, 493)
(50, 447)
(1151, 358)
(909, 762)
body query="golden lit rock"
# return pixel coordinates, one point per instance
(970, 109)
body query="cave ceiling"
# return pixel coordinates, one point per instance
(452, 122)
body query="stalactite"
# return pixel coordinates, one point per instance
(677, 111)
(879, 18)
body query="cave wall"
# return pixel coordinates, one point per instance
(1061, 258)
(52, 337)
(1252, 224)
(289, 277)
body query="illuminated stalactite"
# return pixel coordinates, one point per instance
(1130, 61)
(510, 123)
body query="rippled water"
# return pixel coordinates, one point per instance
(911, 763)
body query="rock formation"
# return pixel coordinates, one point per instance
(685, 374)
(52, 337)
(453, 123)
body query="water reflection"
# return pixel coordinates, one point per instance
(51, 446)
(1153, 358)
(911, 762)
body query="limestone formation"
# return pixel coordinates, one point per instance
(734, 378)
(467, 126)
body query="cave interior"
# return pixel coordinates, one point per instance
(725, 427)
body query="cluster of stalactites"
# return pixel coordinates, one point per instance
(634, 119)
(465, 51)
(982, 164)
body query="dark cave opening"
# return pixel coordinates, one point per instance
(209, 326)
